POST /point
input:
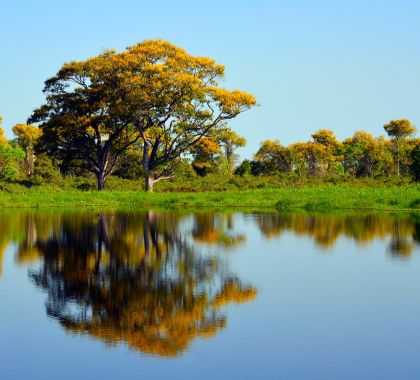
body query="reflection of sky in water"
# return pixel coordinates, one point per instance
(346, 310)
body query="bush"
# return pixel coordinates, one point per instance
(10, 157)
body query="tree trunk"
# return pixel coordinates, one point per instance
(30, 160)
(149, 183)
(101, 180)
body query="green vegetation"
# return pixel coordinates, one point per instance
(227, 194)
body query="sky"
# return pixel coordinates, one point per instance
(339, 65)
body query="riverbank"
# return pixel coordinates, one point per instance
(327, 197)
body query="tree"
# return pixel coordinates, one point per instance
(10, 157)
(274, 157)
(366, 156)
(318, 157)
(244, 168)
(399, 130)
(230, 141)
(332, 146)
(216, 152)
(27, 137)
(81, 121)
(326, 137)
(154, 90)
(204, 153)
(310, 157)
(174, 100)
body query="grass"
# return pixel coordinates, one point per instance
(322, 197)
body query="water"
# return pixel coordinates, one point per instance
(152, 294)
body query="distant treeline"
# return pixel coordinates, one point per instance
(321, 158)
(362, 155)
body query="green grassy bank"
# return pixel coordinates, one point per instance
(321, 197)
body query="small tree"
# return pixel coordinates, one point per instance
(230, 141)
(205, 155)
(399, 130)
(274, 157)
(27, 138)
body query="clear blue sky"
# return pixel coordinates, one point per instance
(340, 65)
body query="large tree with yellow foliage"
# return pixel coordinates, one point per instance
(174, 100)
(153, 91)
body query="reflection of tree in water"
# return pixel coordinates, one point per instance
(212, 229)
(133, 278)
(403, 241)
(13, 226)
(326, 229)
(3, 246)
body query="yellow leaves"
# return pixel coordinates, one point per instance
(230, 137)
(326, 137)
(232, 102)
(27, 134)
(367, 141)
(204, 151)
(156, 48)
(3, 139)
(400, 129)
(208, 145)
(268, 149)
(28, 255)
(234, 291)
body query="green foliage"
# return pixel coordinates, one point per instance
(10, 157)
(244, 168)
(130, 164)
(184, 170)
(415, 165)
(46, 170)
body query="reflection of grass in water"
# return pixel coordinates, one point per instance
(322, 197)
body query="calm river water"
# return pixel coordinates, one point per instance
(209, 295)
